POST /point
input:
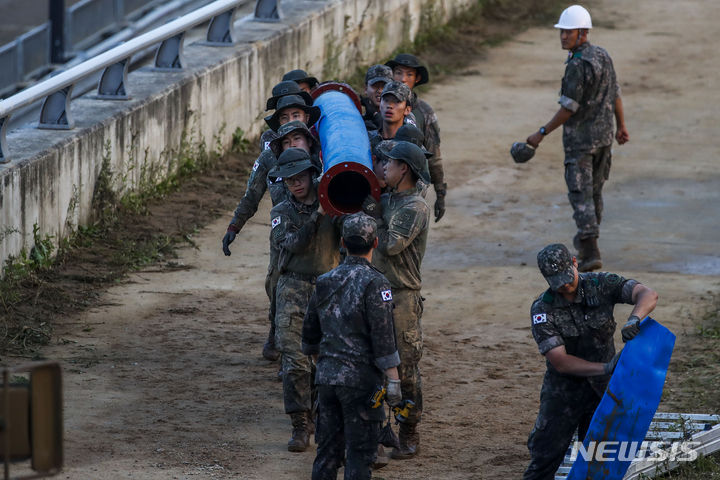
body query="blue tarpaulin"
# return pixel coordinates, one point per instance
(628, 406)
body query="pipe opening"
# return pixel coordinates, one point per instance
(347, 191)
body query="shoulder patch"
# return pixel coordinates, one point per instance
(256, 165)
(613, 279)
(267, 145)
(275, 222)
(403, 221)
(386, 295)
(539, 318)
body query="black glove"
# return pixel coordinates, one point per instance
(631, 328)
(227, 240)
(440, 192)
(610, 366)
(394, 394)
(372, 207)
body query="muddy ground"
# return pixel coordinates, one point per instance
(164, 379)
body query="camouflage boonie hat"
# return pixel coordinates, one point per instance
(411, 61)
(398, 90)
(287, 129)
(378, 73)
(291, 162)
(521, 152)
(284, 88)
(294, 101)
(556, 265)
(301, 76)
(360, 226)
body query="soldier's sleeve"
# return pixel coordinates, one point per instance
(432, 144)
(311, 332)
(378, 308)
(256, 186)
(546, 334)
(400, 229)
(287, 235)
(572, 86)
(615, 288)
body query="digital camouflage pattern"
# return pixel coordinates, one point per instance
(346, 422)
(585, 175)
(585, 327)
(402, 237)
(349, 323)
(556, 265)
(426, 121)
(257, 184)
(378, 73)
(307, 243)
(589, 89)
(408, 328)
(292, 296)
(361, 226)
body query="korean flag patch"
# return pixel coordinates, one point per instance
(275, 222)
(539, 318)
(386, 295)
(267, 145)
(256, 165)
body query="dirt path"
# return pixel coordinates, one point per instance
(165, 380)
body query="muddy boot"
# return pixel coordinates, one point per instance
(299, 440)
(382, 459)
(409, 442)
(269, 352)
(589, 255)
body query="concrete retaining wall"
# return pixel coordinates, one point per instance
(52, 174)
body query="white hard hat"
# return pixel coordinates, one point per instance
(574, 17)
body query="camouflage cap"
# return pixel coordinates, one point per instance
(378, 73)
(398, 90)
(410, 133)
(360, 226)
(521, 152)
(414, 157)
(383, 149)
(556, 265)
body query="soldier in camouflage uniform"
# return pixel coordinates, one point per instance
(409, 69)
(403, 218)
(376, 78)
(590, 105)
(286, 96)
(301, 77)
(573, 325)
(349, 329)
(394, 108)
(407, 133)
(307, 243)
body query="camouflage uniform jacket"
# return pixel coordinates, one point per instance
(349, 323)
(306, 242)
(586, 325)
(402, 235)
(589, 89)
(427, 123)
(256, 186)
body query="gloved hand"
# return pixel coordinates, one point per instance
(372, 207)
(394, 394)
(227, 240)
(440, 192)
(610, 366)
(631, 328)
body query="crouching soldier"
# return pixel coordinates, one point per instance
(403, 218)
(349, 329)
(307, 244)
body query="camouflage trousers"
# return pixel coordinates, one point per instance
(585, 175)
(408, 330)
(346, 422)
(292, 296)
(566, 404)
(271, 281)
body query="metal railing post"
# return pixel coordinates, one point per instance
(57, 30)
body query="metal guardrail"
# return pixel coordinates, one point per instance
(57, 91)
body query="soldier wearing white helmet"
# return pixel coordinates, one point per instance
(590, 109)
